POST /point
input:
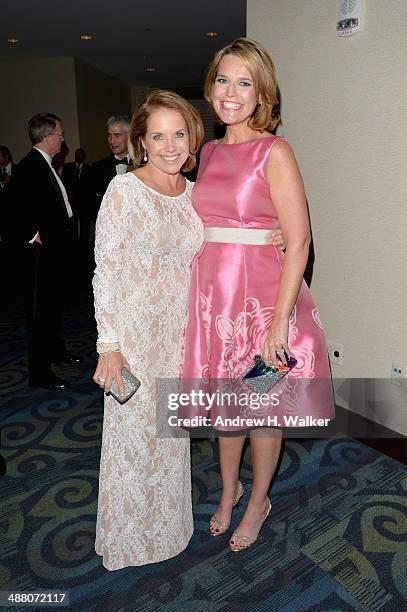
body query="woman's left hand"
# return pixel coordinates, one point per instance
(276, 342)
(277, 238)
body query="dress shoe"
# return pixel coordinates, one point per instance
(68, 360)
(50, 382)
(247, 541)
(217, 527)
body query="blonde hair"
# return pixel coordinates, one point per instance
(155, 100)
(267, 112)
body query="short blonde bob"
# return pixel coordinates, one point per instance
(267, 112)
(155, 100)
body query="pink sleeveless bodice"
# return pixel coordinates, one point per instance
(234, 287)
(231, 190)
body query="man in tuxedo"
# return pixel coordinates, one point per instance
(76, 176)
(45, 231)
(104, 170)
(6, 166)
(7, 169)
(7, 254)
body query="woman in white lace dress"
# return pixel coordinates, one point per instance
(146, 236)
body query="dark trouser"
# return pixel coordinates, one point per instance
(86, 251)
(3, 466)
(44, 300)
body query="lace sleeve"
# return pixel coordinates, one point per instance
(110, 241)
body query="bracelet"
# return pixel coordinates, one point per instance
(107, 347)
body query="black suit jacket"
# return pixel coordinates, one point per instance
(39, 205)
(6, 206)
(13, 169)
(102, 173)
(79, 189)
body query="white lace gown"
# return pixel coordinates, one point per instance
(145, 242)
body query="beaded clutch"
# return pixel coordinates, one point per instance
(130, 383)
(262, 378)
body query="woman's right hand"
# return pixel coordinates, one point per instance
(276, 344)
(277, 238)
(110, 366)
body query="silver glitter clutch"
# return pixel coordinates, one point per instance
(130, 383)
(262, 378)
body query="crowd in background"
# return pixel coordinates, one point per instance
(48, 211)
(85, 185)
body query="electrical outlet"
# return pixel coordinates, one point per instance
(335, 351)
(397, 373)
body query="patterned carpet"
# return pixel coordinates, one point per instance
(335, 541)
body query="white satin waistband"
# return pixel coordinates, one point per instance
(238, 235)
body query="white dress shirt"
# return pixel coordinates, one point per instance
(8, 173)
(48, 159)
(60, 183)
(121, 168)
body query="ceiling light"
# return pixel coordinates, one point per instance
(86, 37)
(12, 40)
(212, 34)
(151, 69)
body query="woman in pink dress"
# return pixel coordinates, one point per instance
(246, 296)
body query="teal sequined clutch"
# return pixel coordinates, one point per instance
(261, 378)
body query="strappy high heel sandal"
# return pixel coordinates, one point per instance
(220, 526)
(247, 540)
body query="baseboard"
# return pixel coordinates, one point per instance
(385, 440)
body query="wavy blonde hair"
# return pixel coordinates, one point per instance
(267, 112)
(155, 100)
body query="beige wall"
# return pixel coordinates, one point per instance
(138, 93)
(99, 96)
(81, 95)
(35, 86)
(345, 114)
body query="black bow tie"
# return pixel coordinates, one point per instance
(122, 161)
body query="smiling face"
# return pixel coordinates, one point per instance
(234, 96)
(167, 140)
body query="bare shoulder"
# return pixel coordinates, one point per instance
(281, 155)
(281, 150)
(282, 167)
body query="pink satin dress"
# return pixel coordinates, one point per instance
(234, 290)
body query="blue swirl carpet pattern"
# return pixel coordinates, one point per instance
(335, 540)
